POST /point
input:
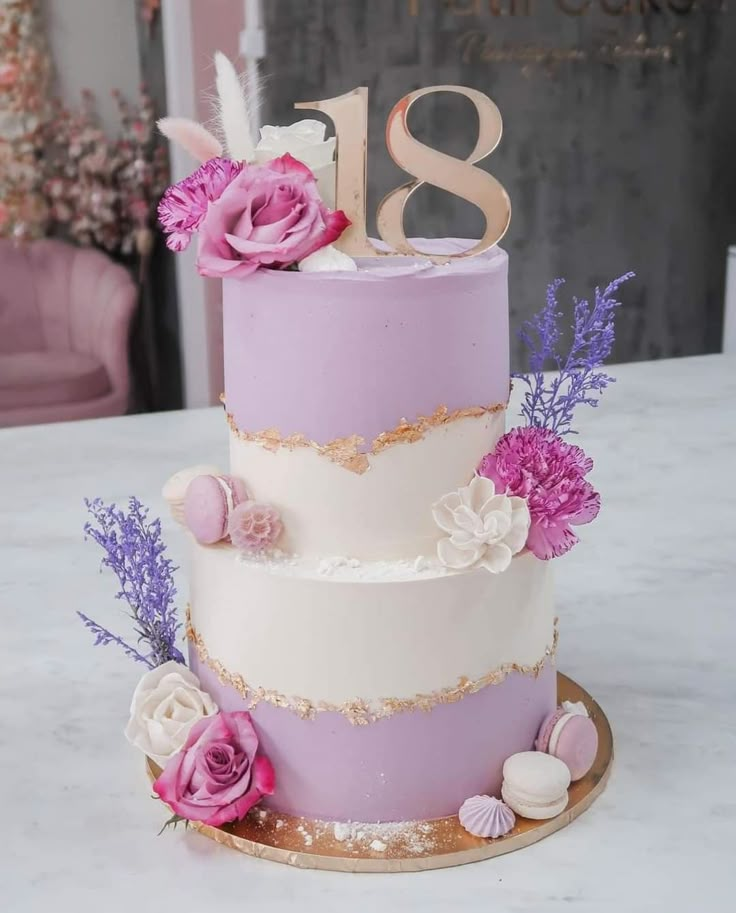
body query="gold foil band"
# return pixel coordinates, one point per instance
(360, 712)
(347, 451)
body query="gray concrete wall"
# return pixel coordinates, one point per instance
(620, 143)
(94, 45)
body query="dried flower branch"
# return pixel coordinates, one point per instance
(135, 552)
(192, 137)
(103, 190)
(24, 86)
(578, 380)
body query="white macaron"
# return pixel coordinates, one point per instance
(535, 784)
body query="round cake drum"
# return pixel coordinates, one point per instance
(414, 846)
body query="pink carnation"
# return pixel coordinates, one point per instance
(271, 215)
(184, 205)
(534, 463)
(219, 775)
(254, 527)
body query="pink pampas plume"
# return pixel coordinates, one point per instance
(191, 136)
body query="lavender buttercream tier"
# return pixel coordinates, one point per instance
(330, 355)
(412, 766)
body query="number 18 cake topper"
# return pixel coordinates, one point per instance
(284, 203)
(349, 114)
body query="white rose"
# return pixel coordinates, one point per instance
(305, 140)
(485, 529)
(166, 704)
(327, 260)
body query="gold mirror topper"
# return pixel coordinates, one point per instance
(349, 114)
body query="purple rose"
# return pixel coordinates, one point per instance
(270, 215)
(218, 775)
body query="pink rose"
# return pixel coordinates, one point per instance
(254, 527)
(218, 775)
(270, 215)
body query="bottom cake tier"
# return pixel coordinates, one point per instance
(412, 766)
(379, 694)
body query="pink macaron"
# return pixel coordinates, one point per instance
(571, 737)
(208, 503)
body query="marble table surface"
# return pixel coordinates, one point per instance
(647, 605)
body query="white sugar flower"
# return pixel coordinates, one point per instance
(166, 704)
(484, 529)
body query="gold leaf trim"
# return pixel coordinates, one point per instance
(346, 451)
(360, 712)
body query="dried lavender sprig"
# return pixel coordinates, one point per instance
(103, 637)
(135, 552)
(578, 382)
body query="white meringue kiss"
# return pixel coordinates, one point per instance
(327, 260)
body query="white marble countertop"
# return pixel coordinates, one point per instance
(648, 626)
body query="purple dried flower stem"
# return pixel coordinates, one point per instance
(104, 637)
(578, 382)
(135, 552)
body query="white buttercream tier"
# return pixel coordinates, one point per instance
(339, 630)
(382, 513)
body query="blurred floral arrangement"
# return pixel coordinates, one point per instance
(60, 171)
(24, 81)
(103, 190)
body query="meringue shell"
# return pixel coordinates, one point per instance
(486, 816)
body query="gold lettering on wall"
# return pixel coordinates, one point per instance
(574, 7)
(616, 7)
(624, 38)
(471, 7)
(523, 8)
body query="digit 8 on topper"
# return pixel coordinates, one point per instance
(457, 176)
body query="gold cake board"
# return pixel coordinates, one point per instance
(415, 847)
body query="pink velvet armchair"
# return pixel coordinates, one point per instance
(65, 316)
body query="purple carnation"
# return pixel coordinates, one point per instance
(184, 205)
(534, 463)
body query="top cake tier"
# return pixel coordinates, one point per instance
(358, 399)
(330, 355)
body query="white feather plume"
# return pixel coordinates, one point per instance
(233, 111)
(192, 137)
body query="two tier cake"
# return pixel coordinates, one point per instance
(356, 401)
